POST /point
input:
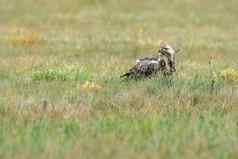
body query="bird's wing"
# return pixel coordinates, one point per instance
(147, 59)
(145, 68)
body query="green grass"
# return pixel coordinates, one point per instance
(62, 74)
(60, 92)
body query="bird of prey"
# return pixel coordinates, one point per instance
(163, 62)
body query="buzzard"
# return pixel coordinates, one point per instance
(163, 62)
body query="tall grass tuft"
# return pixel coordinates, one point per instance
(61, 74)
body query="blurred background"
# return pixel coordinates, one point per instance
(60, 92)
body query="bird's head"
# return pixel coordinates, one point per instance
(169, 52)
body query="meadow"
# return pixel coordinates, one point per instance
(61, 95)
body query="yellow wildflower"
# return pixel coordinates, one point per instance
(229, 74)
(90, 86)
(141, 30)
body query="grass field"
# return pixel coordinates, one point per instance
(60, 92)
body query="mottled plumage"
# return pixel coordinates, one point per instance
(163, 62)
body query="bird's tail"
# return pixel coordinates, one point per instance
(126, 75)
